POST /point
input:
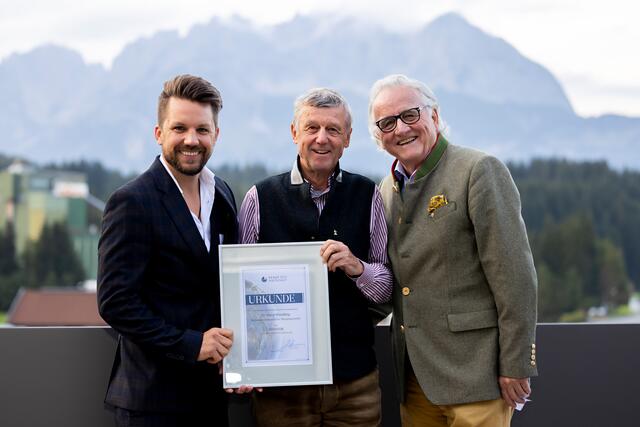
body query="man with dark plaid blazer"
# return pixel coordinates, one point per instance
(158, 270)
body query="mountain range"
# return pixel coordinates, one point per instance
(57, 107)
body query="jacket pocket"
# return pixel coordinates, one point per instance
(472, 320)
(443, 211)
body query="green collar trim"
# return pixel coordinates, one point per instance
(433, 158)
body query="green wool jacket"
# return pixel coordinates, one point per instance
(465, 297)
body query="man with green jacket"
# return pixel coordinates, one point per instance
(464, 300)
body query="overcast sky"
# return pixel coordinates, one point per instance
(589, 45)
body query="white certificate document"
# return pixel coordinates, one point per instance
(275, 299)
(276, 317)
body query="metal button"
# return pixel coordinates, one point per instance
(533, 351)
(406, 291)
(399, 220)
(533, 346)
(533, 363)
(402, 328)
(533, 357)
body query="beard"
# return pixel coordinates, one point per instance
(191, 168)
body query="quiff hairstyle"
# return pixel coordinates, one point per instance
(191, 88)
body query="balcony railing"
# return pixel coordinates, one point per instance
(589, 376)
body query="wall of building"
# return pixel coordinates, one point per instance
(35, 198)
(58, 377)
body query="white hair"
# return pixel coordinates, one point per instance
(400, 80)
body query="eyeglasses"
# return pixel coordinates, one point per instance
(409, 117)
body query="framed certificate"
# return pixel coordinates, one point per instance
(275, 298)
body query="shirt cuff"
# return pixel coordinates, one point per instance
(366, 277)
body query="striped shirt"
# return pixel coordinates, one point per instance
(376, 281)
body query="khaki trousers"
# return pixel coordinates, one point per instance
(342, 404)
(418, 411)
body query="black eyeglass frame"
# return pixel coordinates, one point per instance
(399, 116)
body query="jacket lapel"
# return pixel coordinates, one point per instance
(178, 211)
(224, 194)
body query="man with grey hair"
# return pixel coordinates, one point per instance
(464, 308)
(318, 201)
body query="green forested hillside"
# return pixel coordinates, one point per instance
(583, 220)
(584, 226)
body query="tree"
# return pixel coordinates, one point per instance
(557, 293)
(613, 281)
(8, 260)
(576, 269)
(10, 276)
(553, 190)
(51, 261)
(569, 245)
(9, 286)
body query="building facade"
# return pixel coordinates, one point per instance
(32, 198)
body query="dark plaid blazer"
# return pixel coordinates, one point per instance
(158, 287)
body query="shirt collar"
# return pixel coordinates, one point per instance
(401, 174)
(298, 179)
(207, 177)
(430, 162)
